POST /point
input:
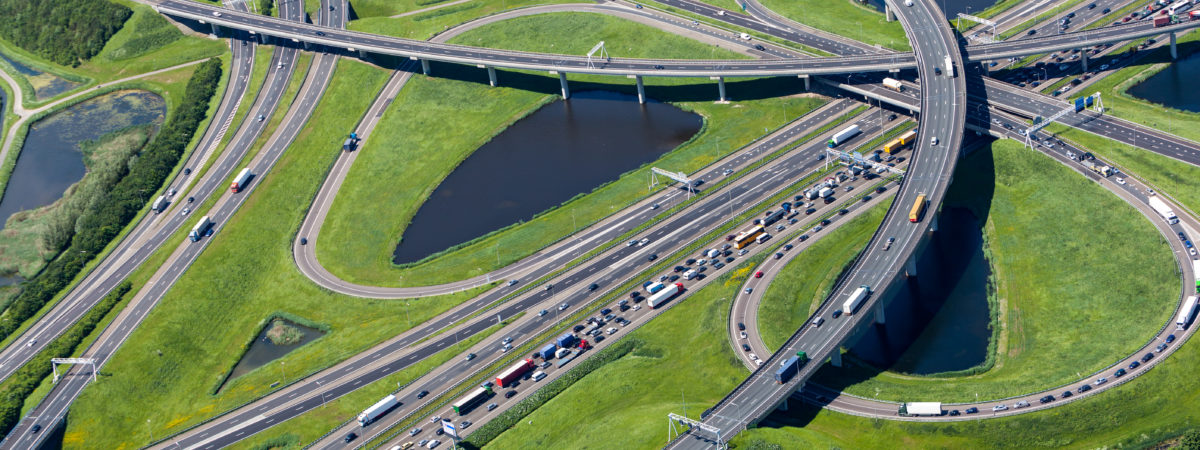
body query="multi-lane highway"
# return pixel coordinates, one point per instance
(55, 405)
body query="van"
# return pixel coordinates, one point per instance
(818, 321)
(744, 36)
(762, 238)
(537, 376)
(689, 274)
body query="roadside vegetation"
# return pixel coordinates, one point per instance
(107, 217)
(412, 144)
(64, 31)
(1082, 317)
(378, 16)
(841, 17)
(246, 273)
(804, 283)
(32, 238)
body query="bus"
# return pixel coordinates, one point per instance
(892, 145)
(918, 208)
(908, 137)
(466, 404)
(747, 237)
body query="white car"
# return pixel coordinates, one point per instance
(933, 140)
(216, 14)
(758, 361)
(611, 330)
(434, 443)
(31, 342)
(542, 313)
(743, 335)
(1192, 251)
(753, 356)
(1120, 180)
(644, 241)
(186, 210)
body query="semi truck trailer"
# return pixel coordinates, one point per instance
(842, 136)
(466, 404)
(664, 295)
(1186, 314)
(506, 377)
(1163, 209)
(241, 181)
(378, 409)
(160, 204)
(201, 227)
(856, 299)
(893, 84)
(921, 409)
(790, 367)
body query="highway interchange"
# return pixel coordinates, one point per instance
(942, 100)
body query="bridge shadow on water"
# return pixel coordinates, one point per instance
(939, 323)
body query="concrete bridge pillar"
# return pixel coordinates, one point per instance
(933, 221)
(880, 319)
(216, 29)
(1083, 58)
(641, 88)
(492, 76)
(307, 46)
(720, 87)
(835, 358)
(362, 54)
(910, 267)
(562, 80)
(784, 406)
(887, 13)
(425, 66)
(1174, 51)
(807, 82)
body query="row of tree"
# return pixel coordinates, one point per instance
(67, 32)
(106, 217)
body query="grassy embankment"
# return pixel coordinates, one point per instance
(558, 424)
(246, 274)
(842, 17)
(804, 283)
(357, 243)
(374, 16)
(1036, 20)
(1104, 310)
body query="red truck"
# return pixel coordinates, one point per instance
(508, 376)
(1162, 20)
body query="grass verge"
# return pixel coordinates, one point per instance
(841, 17)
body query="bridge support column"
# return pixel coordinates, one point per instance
(562, 80)
(307, 46)
(807, 82)
(784, 406)
(887, 13)
(720, 87)
(362, 54)
(910, 267)
(641, 88)
(1083, 58)
(492, 76)
(216, 29)
(1174, 52)
(425, 66)
(933, 220)
(880, 319)
(835, 358)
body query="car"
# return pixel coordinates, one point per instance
(741, 326)
(843, 212)
(303, 241)
(422, 394)
(745, 347)
(1134, 365)
(954, 412)
(652, 257)
(599, 338)
(1170, 339)
(818, 228)
(849, 188)
(350, 437)
(1120, 372)
(1067, 393)
(933, 140)
(218, 14)
(637, 5)
(434, 443)
(748, 290)
(422, 442)
(1070, 15)
(937, 70)
(718, 265)
(743, 251)
(261, 117)
(971, 410)
(605, 311)
(1120, 180)
(1021, 404)
(36, 428)
(1104, 67)
(320, 33)
(810, 211)
(644, 241)
(465, 424)
(825, 222)
(743, 334)
(1160, 348)
(470, 356)
(866, 198)
(1147, 357)
(186, 210)
(753, 356)
(1031, 32)
(492, 406)
(1106, 11)
(209, 232)
(818, 321)
(880, 190)
(187, 171)
(1046, 399)
(660, 67)
(999, 408)
(563, 306)
(414, 431)
(759, 47)
(1084, 388)
(778, 255)
(837, 313)
(1092, 6)
(758, 274)
(788, 247)
(542, 313)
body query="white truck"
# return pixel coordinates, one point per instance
(825, 192)
(201, 227)
(1186, 314)
(843, 136)
(856, 299)
(664, 295)
(893, 84)
(1163, 210)
(921, 409)
(378, 409)
(160, 204)
(949, 67)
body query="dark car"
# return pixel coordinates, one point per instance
(510, 394)
(422, 394)
(741, 326)
(350, 437)
(1066, 394)
(605, 311)
(1046, 399)
(1106, 10)
(866, 198)
(191, 199)
(593, 286)
(579, 328)
(879, 190)
(745, 347)
(1134, 365)
(810, 210)
(599, 338)
(1084, 388)
(843, 212)
(320, 33)
(954, 412)
(1120, 372)
(728, 260)
(36, 428)
(1147, 357)
(303, 241)
(1031, 32)
(652, 257)
(787, 247)
(659, 67)
(759, 48)
(1170, 339)
(778, 255)
(972, 410)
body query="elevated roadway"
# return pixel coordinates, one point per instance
(943, 117)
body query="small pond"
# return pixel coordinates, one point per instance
(278, 338)
(45, 85)
(942, 323)
(50, 160)
(561, 150)
(1174, 86)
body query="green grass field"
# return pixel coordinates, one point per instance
(357, 243)
(1051, 308)
(243, 277)
(374, 15)
(805, 282)
(841, 17)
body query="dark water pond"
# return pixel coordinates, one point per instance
(950, 7)
(50, 160)
(941, 324)
(45, 85)
(263, 351)
(1174, 86)
(563, 149)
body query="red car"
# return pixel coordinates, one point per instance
(758, 274)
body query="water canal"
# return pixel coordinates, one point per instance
(1174, 86)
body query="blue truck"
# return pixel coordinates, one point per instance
(547, 352)
(565, 340)
(790, 367)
